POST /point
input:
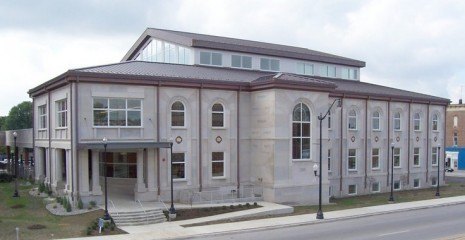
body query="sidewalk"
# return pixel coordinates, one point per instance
(172, 230)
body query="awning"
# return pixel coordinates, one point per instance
(124, 145)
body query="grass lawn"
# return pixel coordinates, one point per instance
(34, 212)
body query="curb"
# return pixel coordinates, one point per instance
(320, 221)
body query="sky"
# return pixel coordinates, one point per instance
(412, 45)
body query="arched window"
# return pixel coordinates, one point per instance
(217, 115)
(375, 121)
(301, 129)
(456, 121)
(416, 122)
(177, 114)
(435, 122)
(397, 121)
(352, 119)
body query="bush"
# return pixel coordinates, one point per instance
(5, 177)
(255, 204)
(59, 200)
(80, 204)
(240, 205)
(89, 231)
(42, 187)
(68, 207)
(93, 204)
(224, 207)
(247, 205)
(35, 226)
(55, 206)
(231, 207)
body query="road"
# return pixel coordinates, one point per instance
(432, 223)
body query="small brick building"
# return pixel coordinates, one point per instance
(455, 132)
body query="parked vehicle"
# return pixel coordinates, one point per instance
(449, 169)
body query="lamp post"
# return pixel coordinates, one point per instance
(319, 214)
(16, 194)
(172, 211)
(391, 197)
(107, 215)
(437, 181)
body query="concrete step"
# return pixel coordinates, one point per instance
(139, 217)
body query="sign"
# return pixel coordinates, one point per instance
(100, 225)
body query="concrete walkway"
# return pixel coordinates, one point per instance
(171, 230)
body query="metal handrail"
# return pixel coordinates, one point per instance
(145, 212)
(112, 204)
(164, 204)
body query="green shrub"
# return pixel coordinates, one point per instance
(231, 206)
(240, 205)
(80, 204)
(224, 207)
(5, 177)
(42, 187)
(93, 204)
(255, 204)
(68, 207)
(89, 231)
(247, 205)
(59, 200)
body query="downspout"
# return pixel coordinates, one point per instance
(71, 134)
(408, 142)
(340, 149)
(200, 137)
(34, 139)
(49, 140)
(366, 140)
(389, 139)
(444, 145)
(427, 141)
(158, 137)
(76, 122)
(238, 142)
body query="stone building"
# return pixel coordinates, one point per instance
(242, 117)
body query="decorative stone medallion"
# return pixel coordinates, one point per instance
(352, 138)
(397, 139)
(376, 139)
(418, 139)
(178, 139)
(435, 139)
(218, 139)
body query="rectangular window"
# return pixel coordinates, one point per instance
(269, 64)
(416, 183)
(117, 112)
(344, 73)
(434, 156)
(184, 55)
(211, 58)
(416, 156)
(375, 187)
(396, 157)
(62, 113)
(178, 166)
(239, 61)
(456, 139)
(352, 160)
(397, 185)
(352, 189)
(42, 116)
(217, 164)
(329, 120)
(305, 68)
(328, 71)
(353, 74)
(329, 160)
(375, 158)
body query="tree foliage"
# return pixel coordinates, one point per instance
(19, 117)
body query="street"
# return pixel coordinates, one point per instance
(432, 223)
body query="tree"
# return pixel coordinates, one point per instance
(20, 116)
(3, 123)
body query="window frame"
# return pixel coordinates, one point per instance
(394, 185)
(184, 163)
(434, 156)
(378, 119)
(455, 139)
(210, 53)
(435, 123)
(377, 157)
(419, 183)
(213, 112)
(126, 110)
(183, 111)
(379, 187)
(418, 155)
(269, 64)
(416, 122)
(242, 57)
(43, 116)
(301, 136)
(223, 161)
(398, 156)
(397, 119)
(304, 66)
(329, 159)
(348, 189)
(352, 158)
(60, 113)
(349, 117)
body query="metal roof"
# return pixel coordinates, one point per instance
(237, 45)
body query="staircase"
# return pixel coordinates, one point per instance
(139, 217)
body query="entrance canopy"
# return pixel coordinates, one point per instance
(124, 145)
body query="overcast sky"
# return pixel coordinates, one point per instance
(412, 45)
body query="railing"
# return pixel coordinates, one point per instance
(164, 205)
(145, 212)
(113, 205)
(246, 193)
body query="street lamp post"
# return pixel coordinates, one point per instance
(171, 210)
(16, 193)
(107, 215)
(391, 197)
(437, 181)
(319, 214)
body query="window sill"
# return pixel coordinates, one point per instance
(398, 167)
(114, 127)
(376, 169)
(180, 180)
(351, 194)
(61, 128)
(353, 130)
(218, 128)
(352, 170)
(416, 166)
(42, 130)
(417, 131)
(219, 178)
(377, 130)
(302, 160)
(397, 130)
(179, 128)
(376, 191)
